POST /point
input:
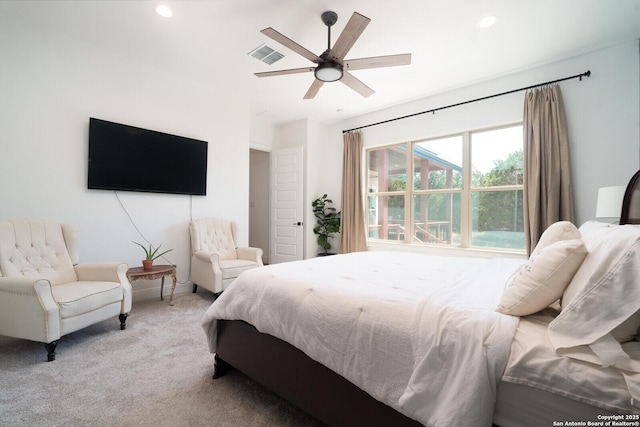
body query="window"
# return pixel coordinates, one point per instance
(462, 190)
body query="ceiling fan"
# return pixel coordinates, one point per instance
(331, 64)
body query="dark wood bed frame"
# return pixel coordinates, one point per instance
(290, 373)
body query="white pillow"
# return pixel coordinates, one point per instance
(543, 280)
(602, 240)
(561, 230)
(604, 295)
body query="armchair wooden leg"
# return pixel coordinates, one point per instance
(195, 287)
(51, 350)
(123, 319)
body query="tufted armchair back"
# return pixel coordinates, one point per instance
(37, 248)
(214, 235)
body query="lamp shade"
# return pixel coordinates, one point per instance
(328, 71)
(610, 202)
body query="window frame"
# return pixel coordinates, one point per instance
(466, 192)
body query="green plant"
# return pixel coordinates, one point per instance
(151, 253)
(327, 221)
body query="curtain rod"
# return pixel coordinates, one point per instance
(577, 76)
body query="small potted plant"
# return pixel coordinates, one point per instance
(327, 222)
(151, 254)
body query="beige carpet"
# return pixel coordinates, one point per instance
(157, 372)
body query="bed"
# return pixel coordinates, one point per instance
(383, 338)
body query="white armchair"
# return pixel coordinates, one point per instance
(45, 294)
(216, 259)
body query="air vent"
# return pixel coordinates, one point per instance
(266, 54)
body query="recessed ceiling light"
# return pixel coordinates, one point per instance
(487, 21)
(163, 10)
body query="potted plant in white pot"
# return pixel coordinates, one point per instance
(151, 254)
(327, 222)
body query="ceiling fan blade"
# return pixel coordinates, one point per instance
(283, 72)
(357, 85)
(377, 62)
(349, 35)
(287, 42)
(313, 89)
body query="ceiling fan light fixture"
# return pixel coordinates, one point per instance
(328, 72)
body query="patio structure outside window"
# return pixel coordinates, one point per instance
(462, 190)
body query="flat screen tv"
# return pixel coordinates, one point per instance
(128, 158)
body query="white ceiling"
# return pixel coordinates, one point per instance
(449, 49)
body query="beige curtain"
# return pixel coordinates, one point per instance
(352, 235)
(548, 195)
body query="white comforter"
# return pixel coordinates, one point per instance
(416, 332)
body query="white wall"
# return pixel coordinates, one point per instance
(324, 163)
(262, 133)
(603, 114)
(49, 87)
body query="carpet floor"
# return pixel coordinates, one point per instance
(157, 372)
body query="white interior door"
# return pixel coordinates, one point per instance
(287, 205)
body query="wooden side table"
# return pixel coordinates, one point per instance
(156, 272)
